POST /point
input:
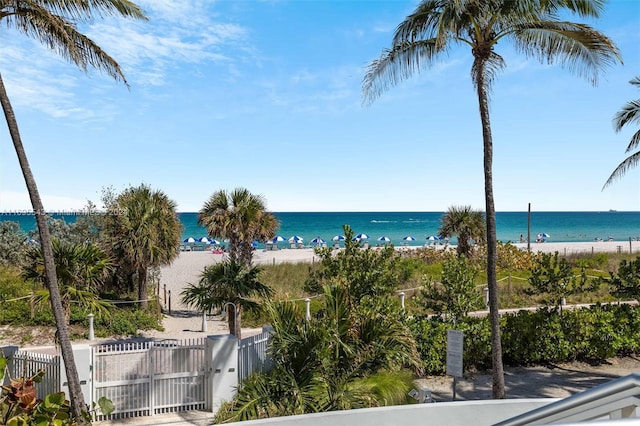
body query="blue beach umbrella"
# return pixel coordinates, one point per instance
(276, 239)
(189, 240)
(296, 239)
(318, 240)
(204, 240)
(360, 237)
(432, 238)
(385, 239)
(338, 238)
(214, 241)
(409, 238)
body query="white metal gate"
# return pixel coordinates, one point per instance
(151, 377)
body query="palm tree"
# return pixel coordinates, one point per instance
(535, 29)
(225, 284)
(467, 224)
(53, 22)
(239, 216)
(630, 113)
(146, 234)
(81, 269)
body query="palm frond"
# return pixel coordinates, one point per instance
(629, 163)
(485, 70)
(578, 47)
(396, 65)
(629, 114)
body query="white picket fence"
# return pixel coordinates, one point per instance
(253, 355)
(154, 377)
(27, 364)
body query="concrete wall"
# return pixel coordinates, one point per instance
(460, 413)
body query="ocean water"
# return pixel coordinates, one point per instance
(561, 226)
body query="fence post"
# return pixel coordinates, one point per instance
(32, 305)
(91, 334)
(402, 299)
(307, 315)
(204, 321)
(221, 359)
(486, 297)
(169, 302)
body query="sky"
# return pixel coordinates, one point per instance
(267, 95)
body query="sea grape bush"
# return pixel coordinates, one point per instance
(456, 294)
(534, 337)
(626, 282)
(554, 279)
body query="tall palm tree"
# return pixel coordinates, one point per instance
(81, 269)
(535, 29)
(228, 284)
(239, 216)
(53, 22)
(145, 234)
(467, 224)
(630, 113)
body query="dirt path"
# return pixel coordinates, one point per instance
(553, 381)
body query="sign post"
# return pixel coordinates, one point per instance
(455, 339)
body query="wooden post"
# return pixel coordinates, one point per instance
(32, 306)
(165, 295)
(529, 229)
(169, 302)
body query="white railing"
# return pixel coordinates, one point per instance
(253, 355)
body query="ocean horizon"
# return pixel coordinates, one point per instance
(560, 226)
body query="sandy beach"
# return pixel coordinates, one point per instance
(184, 322)
(188, 266)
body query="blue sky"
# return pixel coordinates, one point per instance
(267, 95)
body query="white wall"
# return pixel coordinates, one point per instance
(459, 413)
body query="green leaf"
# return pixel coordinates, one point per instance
(106, 405)
(3, 365)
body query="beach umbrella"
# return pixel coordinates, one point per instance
(189, 240)
(433, 238)
(204, 240)
(276, 239)
(214, 241)
(338, 238)
(385, 239)
(318, 240)
(360, 237)
(296, 239)
(545, 235)
(409, 238)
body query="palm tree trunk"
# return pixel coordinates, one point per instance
(142, 287)
(233, 319)
(498, 389)
(75, 392)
